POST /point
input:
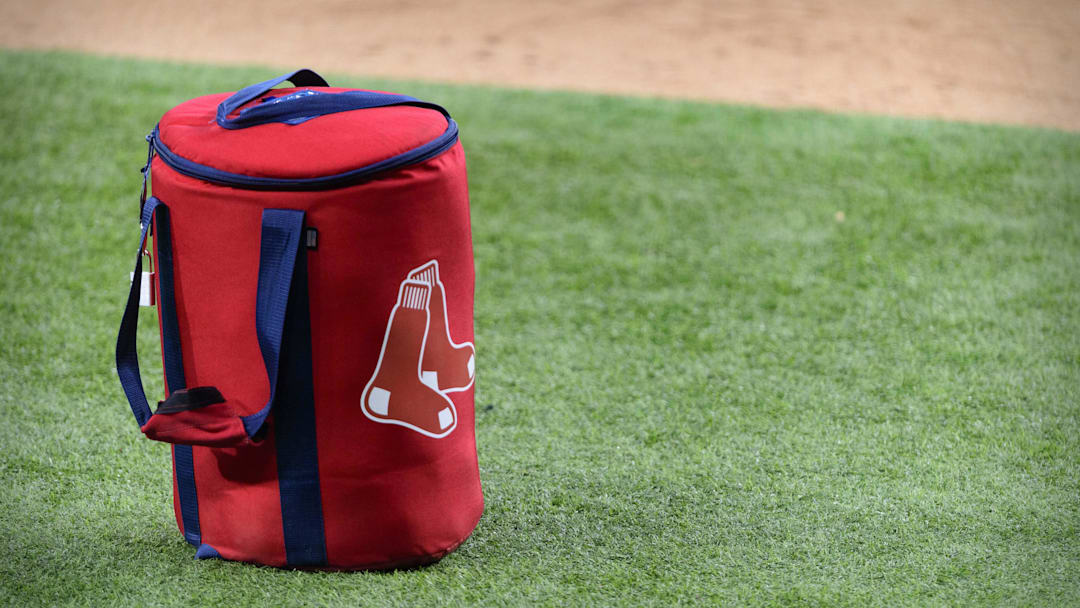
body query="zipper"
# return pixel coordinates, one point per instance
(146, 171)
(213, 175)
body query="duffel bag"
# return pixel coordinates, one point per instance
(311, 265)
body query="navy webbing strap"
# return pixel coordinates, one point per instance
(172, 356)
(127, 361)
(184, 466)
(301, 106)
(294, 433)
(300, 78)
(278, 249)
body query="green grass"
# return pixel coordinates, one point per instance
(695, 384)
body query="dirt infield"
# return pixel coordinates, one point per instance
(988, 61)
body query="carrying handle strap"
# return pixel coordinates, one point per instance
(281, 231)
(305, 105)
(280, 244)
(127, 358)
(300, 78)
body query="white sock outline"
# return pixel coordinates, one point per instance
(419, 363)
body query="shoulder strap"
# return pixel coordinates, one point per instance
(281, 230)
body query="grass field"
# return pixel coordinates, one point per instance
(696, 384)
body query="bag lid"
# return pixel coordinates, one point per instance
(304, 135)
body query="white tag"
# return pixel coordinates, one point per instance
(146, 289)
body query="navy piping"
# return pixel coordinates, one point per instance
(196, 170)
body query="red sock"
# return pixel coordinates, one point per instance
(397, 392)
(452, 365)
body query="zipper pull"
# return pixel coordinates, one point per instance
(146, 173)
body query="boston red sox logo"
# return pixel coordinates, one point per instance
(419, 365)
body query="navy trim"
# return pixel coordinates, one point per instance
(146, 173)
(207, 552)
(294, 433)
(184, 465)
(183, 455)
(127, 361)
(280, 241)
(210, 174)
(172, 355)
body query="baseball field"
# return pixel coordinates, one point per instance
(726, 355)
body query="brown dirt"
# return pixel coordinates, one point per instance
(983, 60)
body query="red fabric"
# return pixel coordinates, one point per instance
(214, 425)
(391, 496)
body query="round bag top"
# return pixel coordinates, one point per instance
(301, 133)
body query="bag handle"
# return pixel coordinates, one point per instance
(127, 361)
(278, 250)
(301, 78)
(201, 416)
(304, 105)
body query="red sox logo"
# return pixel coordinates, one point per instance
(419, 365)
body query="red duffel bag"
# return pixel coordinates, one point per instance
(313, 274)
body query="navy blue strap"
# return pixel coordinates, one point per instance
(127, 360)
(184, 466)
(295, 435)
(300, 78)
(304, 105)
(280, 242)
